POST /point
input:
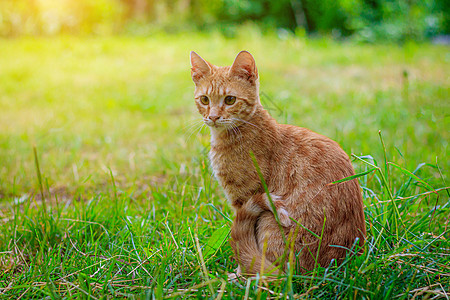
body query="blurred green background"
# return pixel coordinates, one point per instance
(363, 20)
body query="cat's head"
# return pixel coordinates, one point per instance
(226, 96)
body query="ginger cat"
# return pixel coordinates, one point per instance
(296, 163)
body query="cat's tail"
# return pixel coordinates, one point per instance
(248, 252)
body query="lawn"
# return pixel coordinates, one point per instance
(123, 202)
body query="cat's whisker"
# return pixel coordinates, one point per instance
(196, 130)
(240, 120)
(191, 133)
(190, 123)
(201, 128)
(232, 128)
(236, 131)
(229, 125)
(191, 128)
(239, 133)
(193, 124)
(227, 130)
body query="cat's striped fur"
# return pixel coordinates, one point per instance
(296, 163)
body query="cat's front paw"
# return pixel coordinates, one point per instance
(283, 215)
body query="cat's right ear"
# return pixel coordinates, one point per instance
(200, 68)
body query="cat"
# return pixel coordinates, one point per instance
(297, 165)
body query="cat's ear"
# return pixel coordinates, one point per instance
(244, 66)
(200, 68)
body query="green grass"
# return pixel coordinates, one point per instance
(126, 180)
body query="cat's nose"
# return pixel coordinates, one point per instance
(214, 118)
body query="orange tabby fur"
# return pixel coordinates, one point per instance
(296, 163)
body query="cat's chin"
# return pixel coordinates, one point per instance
(216, 130)
(215, 126)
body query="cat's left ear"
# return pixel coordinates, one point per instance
(200, 68)
(244, 66)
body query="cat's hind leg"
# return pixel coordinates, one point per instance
(245, 246)
(272, 239)
(243, 236)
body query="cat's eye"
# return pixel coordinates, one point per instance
(229, 100)
(204, 100)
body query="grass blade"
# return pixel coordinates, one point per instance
(39, 176)
(216, 240)
(266, 189)
(352, 177)
(412, 175)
